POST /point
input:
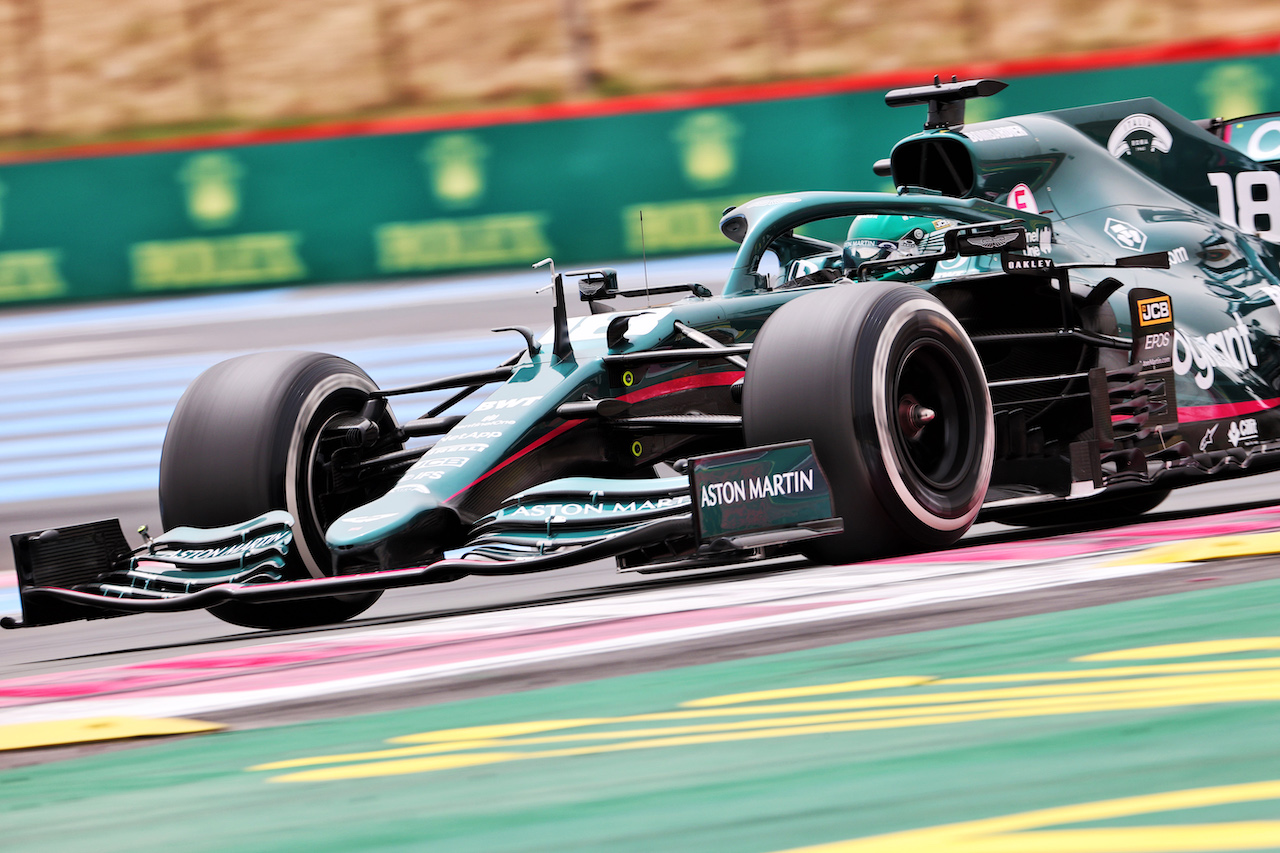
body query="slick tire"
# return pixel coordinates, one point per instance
(245, 439)
(885, 382)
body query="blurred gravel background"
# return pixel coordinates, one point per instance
(74, 70)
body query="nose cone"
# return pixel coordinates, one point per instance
(368, 525)
(403, 527)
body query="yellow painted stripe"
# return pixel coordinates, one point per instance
(997, 704)
(1198, 648)
(817, 690)
(1199, 550)
(866, 722)
(65, 732)
(1033, 830)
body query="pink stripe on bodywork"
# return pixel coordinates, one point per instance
(701, 380)
(1190, 414)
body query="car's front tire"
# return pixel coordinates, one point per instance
(885, 382)
(246, 438)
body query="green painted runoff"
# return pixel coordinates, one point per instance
(1137, 725)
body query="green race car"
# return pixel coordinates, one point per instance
(1057, 317)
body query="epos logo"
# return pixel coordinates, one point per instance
(1152, 311)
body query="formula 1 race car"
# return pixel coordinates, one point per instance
(1059, 316)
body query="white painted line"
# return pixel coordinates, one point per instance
(931, 590)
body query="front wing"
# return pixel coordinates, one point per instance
(750, 504)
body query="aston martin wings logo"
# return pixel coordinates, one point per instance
(994, 241)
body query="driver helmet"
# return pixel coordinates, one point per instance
(882, 237)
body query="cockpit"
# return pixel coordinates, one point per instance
(869, 239)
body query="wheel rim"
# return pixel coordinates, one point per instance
(314, 498)
(316, 510)
(936, 424)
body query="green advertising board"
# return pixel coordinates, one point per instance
(416, 203)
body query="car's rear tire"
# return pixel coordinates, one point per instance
(245, 439)
(854, 368)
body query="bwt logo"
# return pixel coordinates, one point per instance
(513, 403)
(1152, 311)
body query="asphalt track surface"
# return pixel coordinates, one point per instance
(783, 609)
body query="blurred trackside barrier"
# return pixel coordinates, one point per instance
(504, 189)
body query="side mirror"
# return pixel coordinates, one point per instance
(595, 284)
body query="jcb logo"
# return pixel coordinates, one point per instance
(1152, 311)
